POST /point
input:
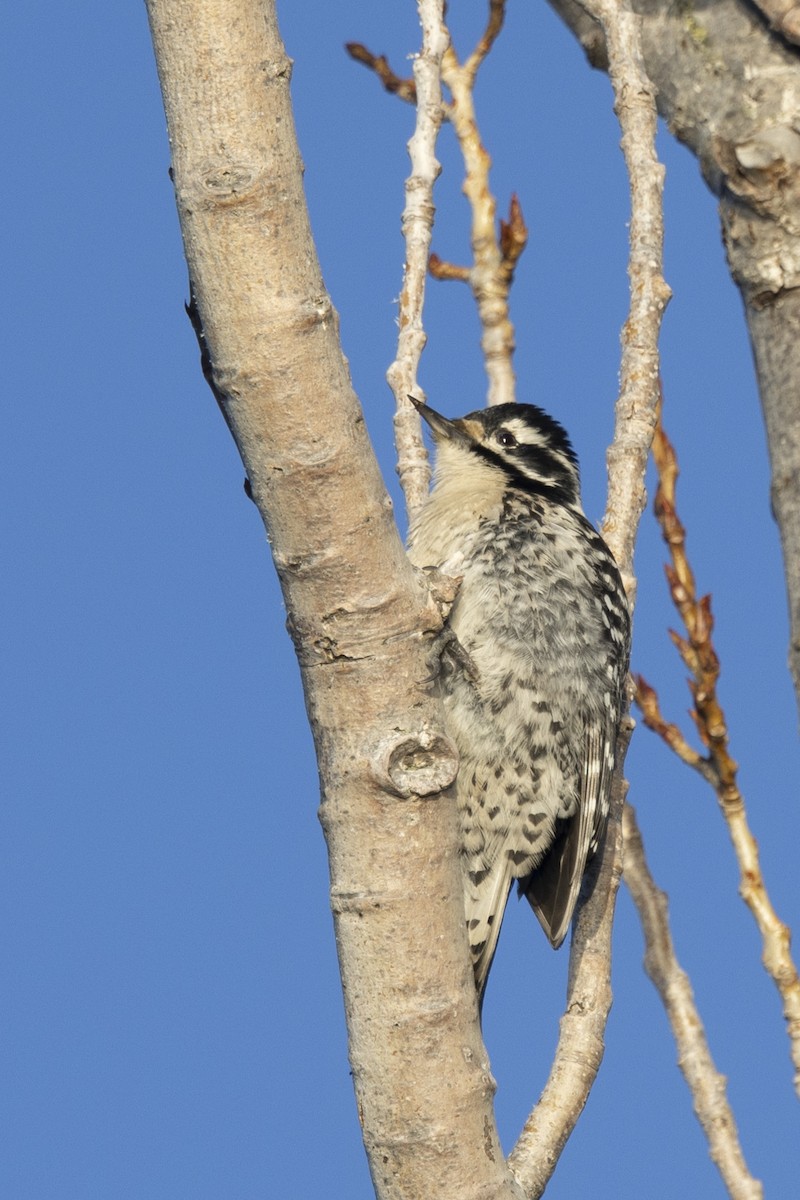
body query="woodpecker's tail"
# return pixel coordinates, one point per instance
(485, 897)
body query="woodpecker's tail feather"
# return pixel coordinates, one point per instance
(485, 898)
(552, 889)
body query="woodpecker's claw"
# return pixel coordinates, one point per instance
(447, 656)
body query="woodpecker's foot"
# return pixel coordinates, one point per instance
(447, 656)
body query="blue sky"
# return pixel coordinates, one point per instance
(172, 1024)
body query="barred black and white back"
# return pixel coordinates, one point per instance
(542, 619)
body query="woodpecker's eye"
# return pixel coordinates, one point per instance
(506, 438)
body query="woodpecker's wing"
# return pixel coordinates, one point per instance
(552, 889)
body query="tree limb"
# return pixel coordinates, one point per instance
(705, 1083)
(589, 989)
(730, 89)
(412, 458)
(717, 767)
(492, 270)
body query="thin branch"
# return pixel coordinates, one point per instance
(647, 699)
(396, 85)
(440, 269)
(705, 1083)
(582, 1030)
(417, 224)
(495, 250)
(497, 15)
(589, 990)
(635, 106)
(717, 766)
(494, 253)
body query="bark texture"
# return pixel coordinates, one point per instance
(729, 87)
(356, 610)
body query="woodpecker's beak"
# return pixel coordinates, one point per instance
(442, 427)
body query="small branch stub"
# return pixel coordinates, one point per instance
(395, 85)
(420, 764)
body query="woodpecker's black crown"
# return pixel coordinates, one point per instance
(522, 440)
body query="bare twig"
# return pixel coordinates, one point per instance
(647, 700)
(589, 991)
(495, 249)
(405, 89)
(717, 766)
(412, 459)
(705, 1083)
(497, 15)
(494, 253)
(440, 269)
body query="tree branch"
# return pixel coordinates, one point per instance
(728, 88)
(412, 458)
(495, 251)
(634, 104)
(494, 24)
(717, 767)
(783, 16)
(395, 85)
(494, 254)
(589, 989)
(705, 1083)
(582, 1029)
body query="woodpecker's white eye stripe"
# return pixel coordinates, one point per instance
(526, 435)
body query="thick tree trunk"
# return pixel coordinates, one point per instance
(356, 610)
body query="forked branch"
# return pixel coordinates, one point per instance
(496, 247)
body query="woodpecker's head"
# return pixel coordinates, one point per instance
(519, 443)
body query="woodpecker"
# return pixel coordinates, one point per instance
(533, 683)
